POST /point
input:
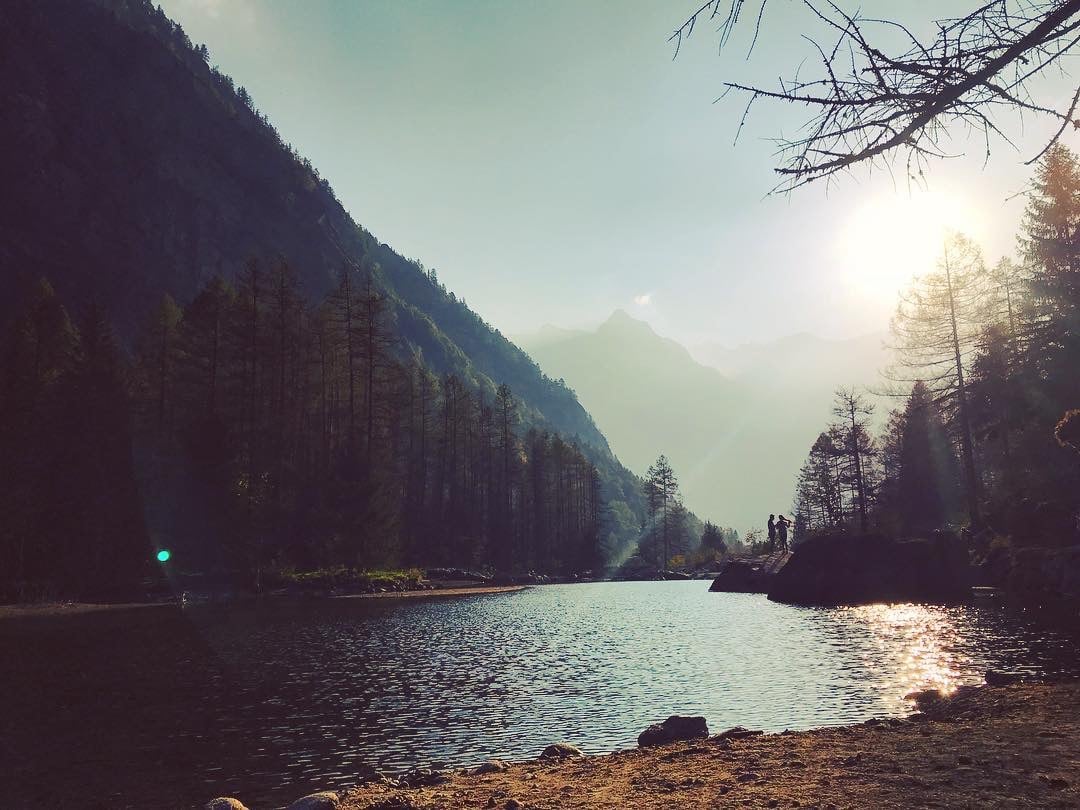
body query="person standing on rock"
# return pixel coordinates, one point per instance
(781, 530)
(772, 532)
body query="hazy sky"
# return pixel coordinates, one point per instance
(553, 162)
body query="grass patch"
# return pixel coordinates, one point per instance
(344, 578)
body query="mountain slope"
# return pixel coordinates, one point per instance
(735, 439)
(142, 171)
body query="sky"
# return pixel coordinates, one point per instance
(554, 162)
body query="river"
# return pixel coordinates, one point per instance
(166, 707)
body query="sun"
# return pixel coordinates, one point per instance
(889, 239)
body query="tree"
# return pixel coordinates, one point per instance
(157, 356)
(506, 416)
(936, 331)
(712, 538)
(661, 490)
(857, 446)
(1051, 245)
(818, 494)
(870, 101)
(927, 471)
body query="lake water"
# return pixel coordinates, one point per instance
(167, 708)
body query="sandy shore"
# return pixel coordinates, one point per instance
(1016, 746)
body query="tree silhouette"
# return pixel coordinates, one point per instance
(870, 101)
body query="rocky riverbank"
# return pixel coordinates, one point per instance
(1017, 745)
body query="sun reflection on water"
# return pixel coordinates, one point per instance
(919, 641)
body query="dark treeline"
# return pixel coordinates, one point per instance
(987, 362)
(251, 432)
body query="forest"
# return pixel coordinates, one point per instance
(986, 361)
(253, 434)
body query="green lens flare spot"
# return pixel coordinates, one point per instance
(163, 555)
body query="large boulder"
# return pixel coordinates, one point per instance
(326, 800)
(224, 803)
(851, 569)
(676, 727)
(745, 575)
(561, 751)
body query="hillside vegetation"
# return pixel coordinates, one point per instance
(146, 177)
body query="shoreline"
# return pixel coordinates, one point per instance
(1015, 745)
(23, 610)
(421, 593)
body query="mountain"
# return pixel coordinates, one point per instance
(141, 170)
(798, 362)
(735, 433)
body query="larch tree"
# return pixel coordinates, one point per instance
(935, 332)
(853, 413)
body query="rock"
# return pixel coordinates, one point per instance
(561, 751)
(996, 678)
(224, 803)
(423, 777)
(326, 800)
(676, 727)
(398, 801)
(749, 574)
(841, 568)
(748, 777)
(925, 698)
(737, 733)
(491, 766)
(513, 804)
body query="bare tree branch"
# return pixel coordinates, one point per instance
(868, 104)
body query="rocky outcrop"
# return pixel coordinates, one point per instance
(749, 574)
(835, 569)
(1046, 575)
(676, 727)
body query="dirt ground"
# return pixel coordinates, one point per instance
(1014, 746)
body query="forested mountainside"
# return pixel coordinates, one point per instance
(142, 170)
(133, 170)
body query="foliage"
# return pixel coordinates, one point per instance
(193, 192)
(986, 362)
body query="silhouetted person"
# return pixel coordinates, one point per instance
(772, 532)
(781, 530)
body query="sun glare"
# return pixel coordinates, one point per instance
(889, 239)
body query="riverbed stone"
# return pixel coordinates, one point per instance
(561, 751)
(737, 733)
(325, 800)
(225, 803)
(491, 766)
(676, 727)
(423, 777)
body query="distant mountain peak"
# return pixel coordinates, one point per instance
(623, 321)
